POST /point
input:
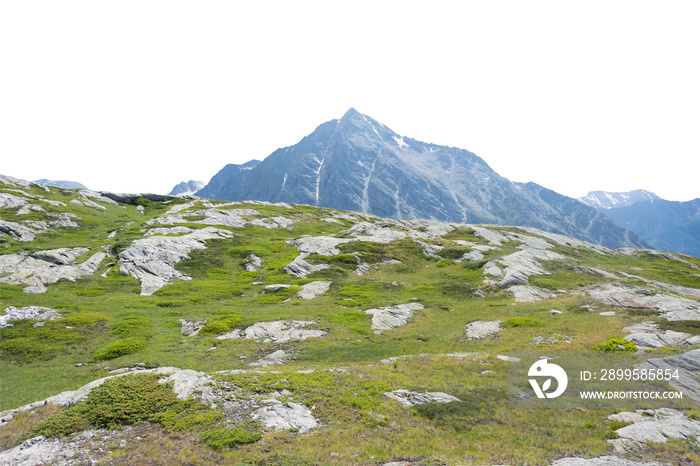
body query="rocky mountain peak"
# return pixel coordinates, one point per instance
(357, 163)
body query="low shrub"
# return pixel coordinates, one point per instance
(91, 292)
(132, 324)
(445, 263)
(477, 408)
(83, 319)
(615, 344)
(221, 325)
(119, 348)
(224, 439)
(517, 322)
(686, 326)
(118, 401)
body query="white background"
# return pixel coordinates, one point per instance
(140, 95)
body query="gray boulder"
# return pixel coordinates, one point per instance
(274, 358)
(529, 293)
(279, 331)
(601, 461)
(276, 287)
(252, 263)
(286, 416)
(409, 398)
(40, 450)
(28, 312)
(385, 318)
(191, 328)
(483, 329)
(314, 289)
(300, 268)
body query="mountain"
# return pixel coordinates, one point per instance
(606, 200)
(357, 163)
(186, 188)
(227, 183)
(666, 225)
(146, 329)
(60, 184)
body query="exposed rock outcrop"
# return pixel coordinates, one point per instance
(601, 461)
(483, 329)
(46, 267)
(286, 416)
(191, 328)
(653, 426)
(529, 293)
(385, 318)
(688, 366)
(253, 263)
(314, 289)
(274, 358)
(152, 259)
(671, 307)
(300, 268)
(278, 331)
(516, 268)
(409, 398)
(29, 312)
(648, 335)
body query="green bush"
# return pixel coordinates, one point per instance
(119, 348)
(445, 263)
(173, 303)
(478, 408)
(686, 326)
(224, 439)
(25, 348)
(132, 324)
(517, 322)
(221, 325)
(83, 319)
(453, 253)
(25, 343)
(118, 401)
(615, 344)
(200, 419)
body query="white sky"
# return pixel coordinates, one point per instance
(140, 95)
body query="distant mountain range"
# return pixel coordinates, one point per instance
(357, 163)
(608, 200)
(187, 187)
(665, 225)
(60, 184)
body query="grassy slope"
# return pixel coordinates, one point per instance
(42, 361)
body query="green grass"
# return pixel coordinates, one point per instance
(113, 326)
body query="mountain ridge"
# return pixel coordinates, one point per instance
(663, 224)
(604, 200)
(358, 163)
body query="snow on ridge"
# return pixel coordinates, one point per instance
(400, 142)
(318, 176)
